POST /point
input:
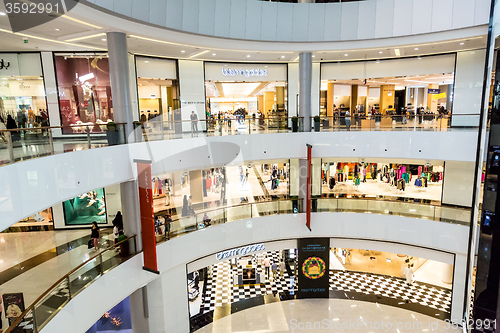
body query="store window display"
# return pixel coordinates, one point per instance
(84, 92)
(363, 179)
(86, 208)
(117, 319)
(22, 90)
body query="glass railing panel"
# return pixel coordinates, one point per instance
(382, 207)
(416, 210)
(327, 205)
(453, 215)
(48, 306)
(285, 207)
(238, 213)
(350, 205)
(267, 208)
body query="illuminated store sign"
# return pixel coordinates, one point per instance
(240, 251)
(244, 72)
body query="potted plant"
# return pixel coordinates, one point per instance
(295, 124)
(317, 122)
(112, 134)
(124, 247)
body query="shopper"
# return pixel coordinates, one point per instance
(274, 268)
(206, 220)
(190, 205)
(185, 206)
(95, 234)
(347, 120)
(409, 275)
(3, 135)
(194, 123)
(11, 125)
(282, 267)
(267, 264)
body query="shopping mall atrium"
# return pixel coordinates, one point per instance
(249, 166)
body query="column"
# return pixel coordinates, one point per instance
(119, 74)
(195, 186)
(305, 82)
(307, 1)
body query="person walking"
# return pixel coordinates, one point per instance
(274, 268)
(409, 275)
(190, 205)
(185, 206)
(194, 123)
(267, 264)
(282, 267)
(118, 226)
(95, 235)
(348, 120)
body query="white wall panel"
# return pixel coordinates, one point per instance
(293, 88)
(253, 20)
(468, 87)
(268, 25)
(123, 7)
(221, 18)
(300, 21)
(158, 13)
(316, 21)
(402, 17)
(349, 25)
(51, 91)
(463, 13)
(190, 15)
(482, 12)
(458, 183)
(285, 21)
(237, 19)
(140, 10)
(421, 16)
(25, 186)
(366, 21)
(333, 15)
(206, 15)
(174, 13)
(384, 18)
(108, 4)
(192, 91)
(442, 15)
(156, 68)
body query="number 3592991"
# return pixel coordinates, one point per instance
(31, 8)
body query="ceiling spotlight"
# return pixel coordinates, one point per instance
(146, 61)
(462, 43)
(313, 56)
(345, 55)
(57, 29)
(380, 52)
(282, 57)
(182, 51)
(214, 54)
(104, 39)
(2, 14)
(248, 55)
(416, 49)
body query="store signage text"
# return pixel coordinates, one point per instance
(244, 72)
(434, 91)
(4, 64)
(240, 251)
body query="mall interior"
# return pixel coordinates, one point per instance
(249, 166)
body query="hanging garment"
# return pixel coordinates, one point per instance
(356, 181)
(419, 171)
(332, 183)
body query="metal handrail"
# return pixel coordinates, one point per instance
(58, 282)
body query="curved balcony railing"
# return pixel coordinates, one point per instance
(40, 312)
(46, 306)
(28, 143)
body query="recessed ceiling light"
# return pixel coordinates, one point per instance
(462, 43)
(282, 57)
(182, 51)
(416, 49)
(104, 39)
(2, 14)
(313, 56)
(214, 54)
(345, 55)
(248, 55)
(146, 61)
(57, 29)
(380, 52)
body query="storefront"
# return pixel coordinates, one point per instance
(374, 179)
(158, 89)
(419, 86)
(84, 91)
(247, 90)
(22, 90)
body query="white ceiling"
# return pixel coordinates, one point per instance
(73, 33)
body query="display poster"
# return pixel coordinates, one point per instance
(86, 208)
(147, 215)
(115, 320)
(308, 190)
(313, 267)
(13, 306)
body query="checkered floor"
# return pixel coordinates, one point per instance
(220, 289)
(387, 286)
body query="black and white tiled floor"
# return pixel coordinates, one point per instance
(221, 291)
(391, 287)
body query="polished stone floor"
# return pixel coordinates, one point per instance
(327, 315)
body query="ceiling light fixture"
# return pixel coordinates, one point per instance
(416, 49)
(104, 39)
(282, 57)
(380, 52)
(313, 56)
(462, 43)
(396, 51)
(2, 14)
(146, 61)
(248, 55)
(345, 55)
(214, 54)
(57, 29)
(182, 51)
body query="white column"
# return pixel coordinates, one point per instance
(305, 83)
(49, 80)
